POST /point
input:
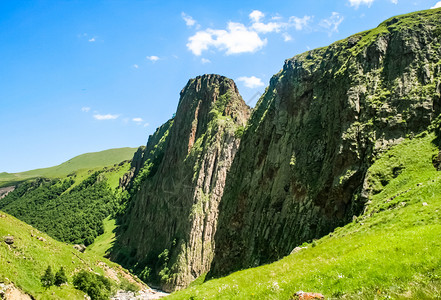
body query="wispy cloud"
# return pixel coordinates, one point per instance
(189, 21)
(332, 23)
(357, 3)
(135, 66)
(251, 82)
(138, 120)
(205, 60)
(85, 109)
(437, 5)
(92, 40)
(287, 37)
(146, 124)
(152, 58)
(394, 1)
(239, 38)
(105, 117)
(299, 23)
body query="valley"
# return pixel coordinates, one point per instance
(331, 184)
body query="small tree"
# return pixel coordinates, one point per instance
(60, 277)
(48, 278)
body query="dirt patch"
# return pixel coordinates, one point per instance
(10, 292)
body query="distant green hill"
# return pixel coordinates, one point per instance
(24, 262)
(85, 161)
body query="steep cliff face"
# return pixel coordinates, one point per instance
(169, 229)
(146, 159)
(301, 166)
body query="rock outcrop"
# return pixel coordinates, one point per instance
(301, 166)
(169, 228)
(147, 156)
(5, 191)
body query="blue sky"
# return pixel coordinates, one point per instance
(84, 76)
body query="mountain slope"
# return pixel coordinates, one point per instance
(301, 167)
(167, 233)
(72, 208)
(85, 161)
(391, 251)
(24, 262)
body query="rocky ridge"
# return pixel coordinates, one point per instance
(174, 204)
(300, 170)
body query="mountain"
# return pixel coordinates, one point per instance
(305, 164)
(300, 171)
(85, 161)
(24, 261)
(167, 232)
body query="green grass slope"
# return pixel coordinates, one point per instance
(105, 241)
(24, 262)
(391, 251)
(70, 209)
(85, 161)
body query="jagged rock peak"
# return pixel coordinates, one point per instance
(169, 229)
(203, 99)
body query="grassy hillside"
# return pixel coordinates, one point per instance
(24, 262)
(85, 161)
(391, 251)
(70, 209)
(105, 241)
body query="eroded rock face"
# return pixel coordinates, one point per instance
(170, 227)
(5, 191)
(302, 161)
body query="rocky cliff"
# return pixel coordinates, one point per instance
(300, 170)
(169, 227)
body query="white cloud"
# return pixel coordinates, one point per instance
(287, 37)
(85, 109)
(152, 58)
(92, 39)
(394, 1)
(135, 66)
(236, 39)
(146, 124)
(251, 82)
(268, 27)
(239, 38)
(137, 120)
(256, 15)
(332, 23)
(205, 60)
(357, 3)
(299, 23)
(437, 5)
(105, 117)
(189, 21)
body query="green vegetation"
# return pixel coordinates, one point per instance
(25, 261)
(392, 250)
(47, 280)
(60, 277)
(75, 216)
(96, 286)
(85, 161)
(105, 241)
